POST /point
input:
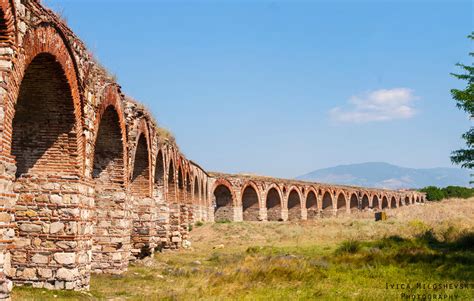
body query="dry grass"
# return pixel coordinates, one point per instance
(330, 259)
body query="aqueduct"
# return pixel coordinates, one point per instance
(89, 181)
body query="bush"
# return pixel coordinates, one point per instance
(199, 224)
(348, 246)
(433, 193)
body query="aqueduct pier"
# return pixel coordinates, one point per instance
(89, 182)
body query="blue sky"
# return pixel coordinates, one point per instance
(285, 87)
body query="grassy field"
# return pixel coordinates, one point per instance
(342, 258)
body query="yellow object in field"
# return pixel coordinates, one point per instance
(380, 216)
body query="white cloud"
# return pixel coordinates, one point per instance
(378, 105)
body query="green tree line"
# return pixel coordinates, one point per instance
(434, 193)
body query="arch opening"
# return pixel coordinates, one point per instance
(140, 184)
(171, 184)
(294, 206)
(160, 175)
(45, 132)
(250, 204)
(375, 203)
(327, 205)
(384, 203)
(109, 178)
(273, 204)
(181, 192)
(223, 204)
(354, 202)
(341, 201)
(365, 202)
(189, 195)
(196, 191)
(311, 205)
(393, 203)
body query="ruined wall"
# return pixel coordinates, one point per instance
(89, 182)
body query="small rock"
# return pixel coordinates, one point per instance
(221, 246)
(196, 262)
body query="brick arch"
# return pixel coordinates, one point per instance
(110, 102)
(140, 167)
(171, 181)
(196, 191)
(50, 53)
(311, 203)
(375, 202)
(294, 202)
(224, 200)
(273, 202)
(109, 159)
(341, 200)
(188, 187)
(160, 173)
(250, 200)
(353, 202)
(365, 203)
(385, 202)
(393, 202)
(327, 202)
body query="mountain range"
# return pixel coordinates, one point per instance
(385, 175)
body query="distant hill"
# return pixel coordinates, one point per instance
(384, 175)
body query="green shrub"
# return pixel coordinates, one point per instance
(433, 193)
(199, 224)
(348, 246)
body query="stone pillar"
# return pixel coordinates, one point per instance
(262, 214)
(7, 223)
(144, 216)
(238, 214)
(112, 232)
(54, 246)
(304, 214)
(284, 214)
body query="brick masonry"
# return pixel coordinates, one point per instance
(88, 182)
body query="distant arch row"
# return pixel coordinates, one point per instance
(238, 198)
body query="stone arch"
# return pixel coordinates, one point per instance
(196, 191)
(365, 202)
(393, 202)
(203, 193)
(223, 201)
(43, 133)
(172, 193)
(159, 174)
(327, 204)
(180, 184)
(49, 62)
(273, 203)
(110, 176)
(189, 195)
(354, 202)
(384, 202)
(140, 182)
(250, 202)
(294, 204)
(417, 199)
(311, 204)
(341, 201)
(45, 139)
(375, 202)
